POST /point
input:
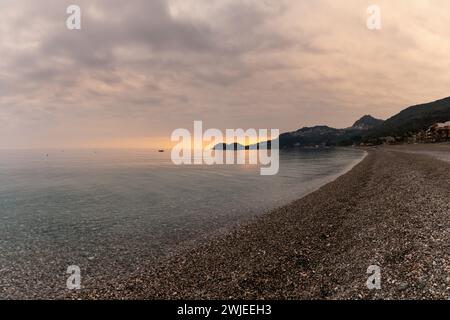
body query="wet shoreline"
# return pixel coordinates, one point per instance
(390, 210)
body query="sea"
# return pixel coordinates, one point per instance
(114, 211)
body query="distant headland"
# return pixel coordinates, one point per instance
(427, 122)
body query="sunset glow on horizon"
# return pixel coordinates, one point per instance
(139, 69)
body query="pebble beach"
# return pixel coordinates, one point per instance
(391, 210)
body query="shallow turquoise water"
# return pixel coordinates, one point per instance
(104, 208)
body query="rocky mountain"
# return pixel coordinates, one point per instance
(366, 123)
(412, 120)
(232, 146)
(366, 130)
(327, 136)
(370, 130)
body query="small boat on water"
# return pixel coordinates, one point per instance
(161, 150)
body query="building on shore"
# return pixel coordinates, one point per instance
(438, 132)
(388, 140)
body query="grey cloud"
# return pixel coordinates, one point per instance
(278, 63)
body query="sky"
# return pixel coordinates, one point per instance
(139, 69)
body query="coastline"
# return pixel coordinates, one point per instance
(391, 210)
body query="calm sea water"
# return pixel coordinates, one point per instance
(103, 209)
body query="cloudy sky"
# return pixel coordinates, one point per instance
(138, 69)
